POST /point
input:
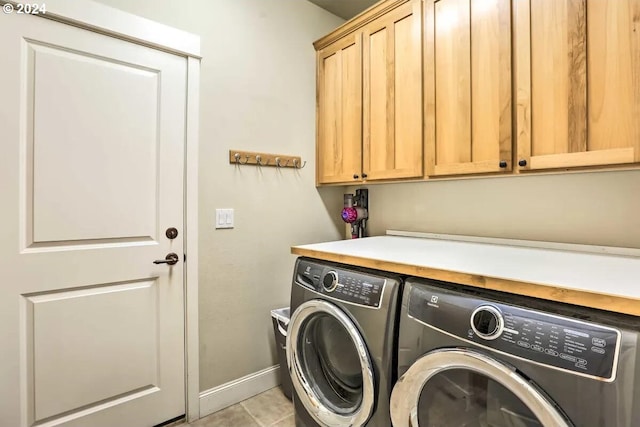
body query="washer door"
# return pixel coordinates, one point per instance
(329, 365)
(464, 388)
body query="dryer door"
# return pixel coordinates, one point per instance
(464, 388)
(329, 365)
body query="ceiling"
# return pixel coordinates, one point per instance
(346, 9)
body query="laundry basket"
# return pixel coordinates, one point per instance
(280, 319)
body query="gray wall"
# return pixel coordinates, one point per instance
(595, 208)
(257, 94)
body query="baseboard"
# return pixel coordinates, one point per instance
(235, 391)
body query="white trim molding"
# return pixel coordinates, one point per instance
(104, 19)
(192, 344)
(235, 391)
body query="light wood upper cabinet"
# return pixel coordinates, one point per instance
(392, 95)
(369, 100)
(577, 82)
(467, 65)
(435, 88)
(339, 111)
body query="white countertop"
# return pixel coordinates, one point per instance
(589, 272)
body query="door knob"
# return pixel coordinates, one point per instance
(170, 259)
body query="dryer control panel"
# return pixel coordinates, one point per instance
(345, 285)
(554, 340)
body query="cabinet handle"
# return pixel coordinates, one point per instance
(503, 164)
(355, 176)
(522, 163)
(364, 176)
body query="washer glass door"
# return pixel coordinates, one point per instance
(329, 365)
(464, 388)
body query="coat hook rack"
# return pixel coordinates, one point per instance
(238, 157)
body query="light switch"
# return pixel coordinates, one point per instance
(228, 219)
(224, 218)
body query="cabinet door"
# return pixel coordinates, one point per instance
(578, 83)
(339, 115)
(392, 122)
(468, 86)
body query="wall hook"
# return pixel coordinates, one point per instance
(259, 161)
(296, 164)
(280, 165)
(237, 157)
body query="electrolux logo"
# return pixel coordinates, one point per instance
(434, 301)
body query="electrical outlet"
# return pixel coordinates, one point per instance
(224, 218)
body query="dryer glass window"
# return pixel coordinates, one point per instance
(331, 364)
(464, 398)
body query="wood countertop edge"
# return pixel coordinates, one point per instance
(614, 303)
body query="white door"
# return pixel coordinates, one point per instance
(92, 133)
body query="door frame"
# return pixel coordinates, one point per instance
(96, 17)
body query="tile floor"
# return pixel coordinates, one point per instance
(268, 409)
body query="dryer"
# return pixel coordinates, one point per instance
(477, 358)
(341, 344)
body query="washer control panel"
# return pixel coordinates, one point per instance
(554, 340)
(345, 285)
